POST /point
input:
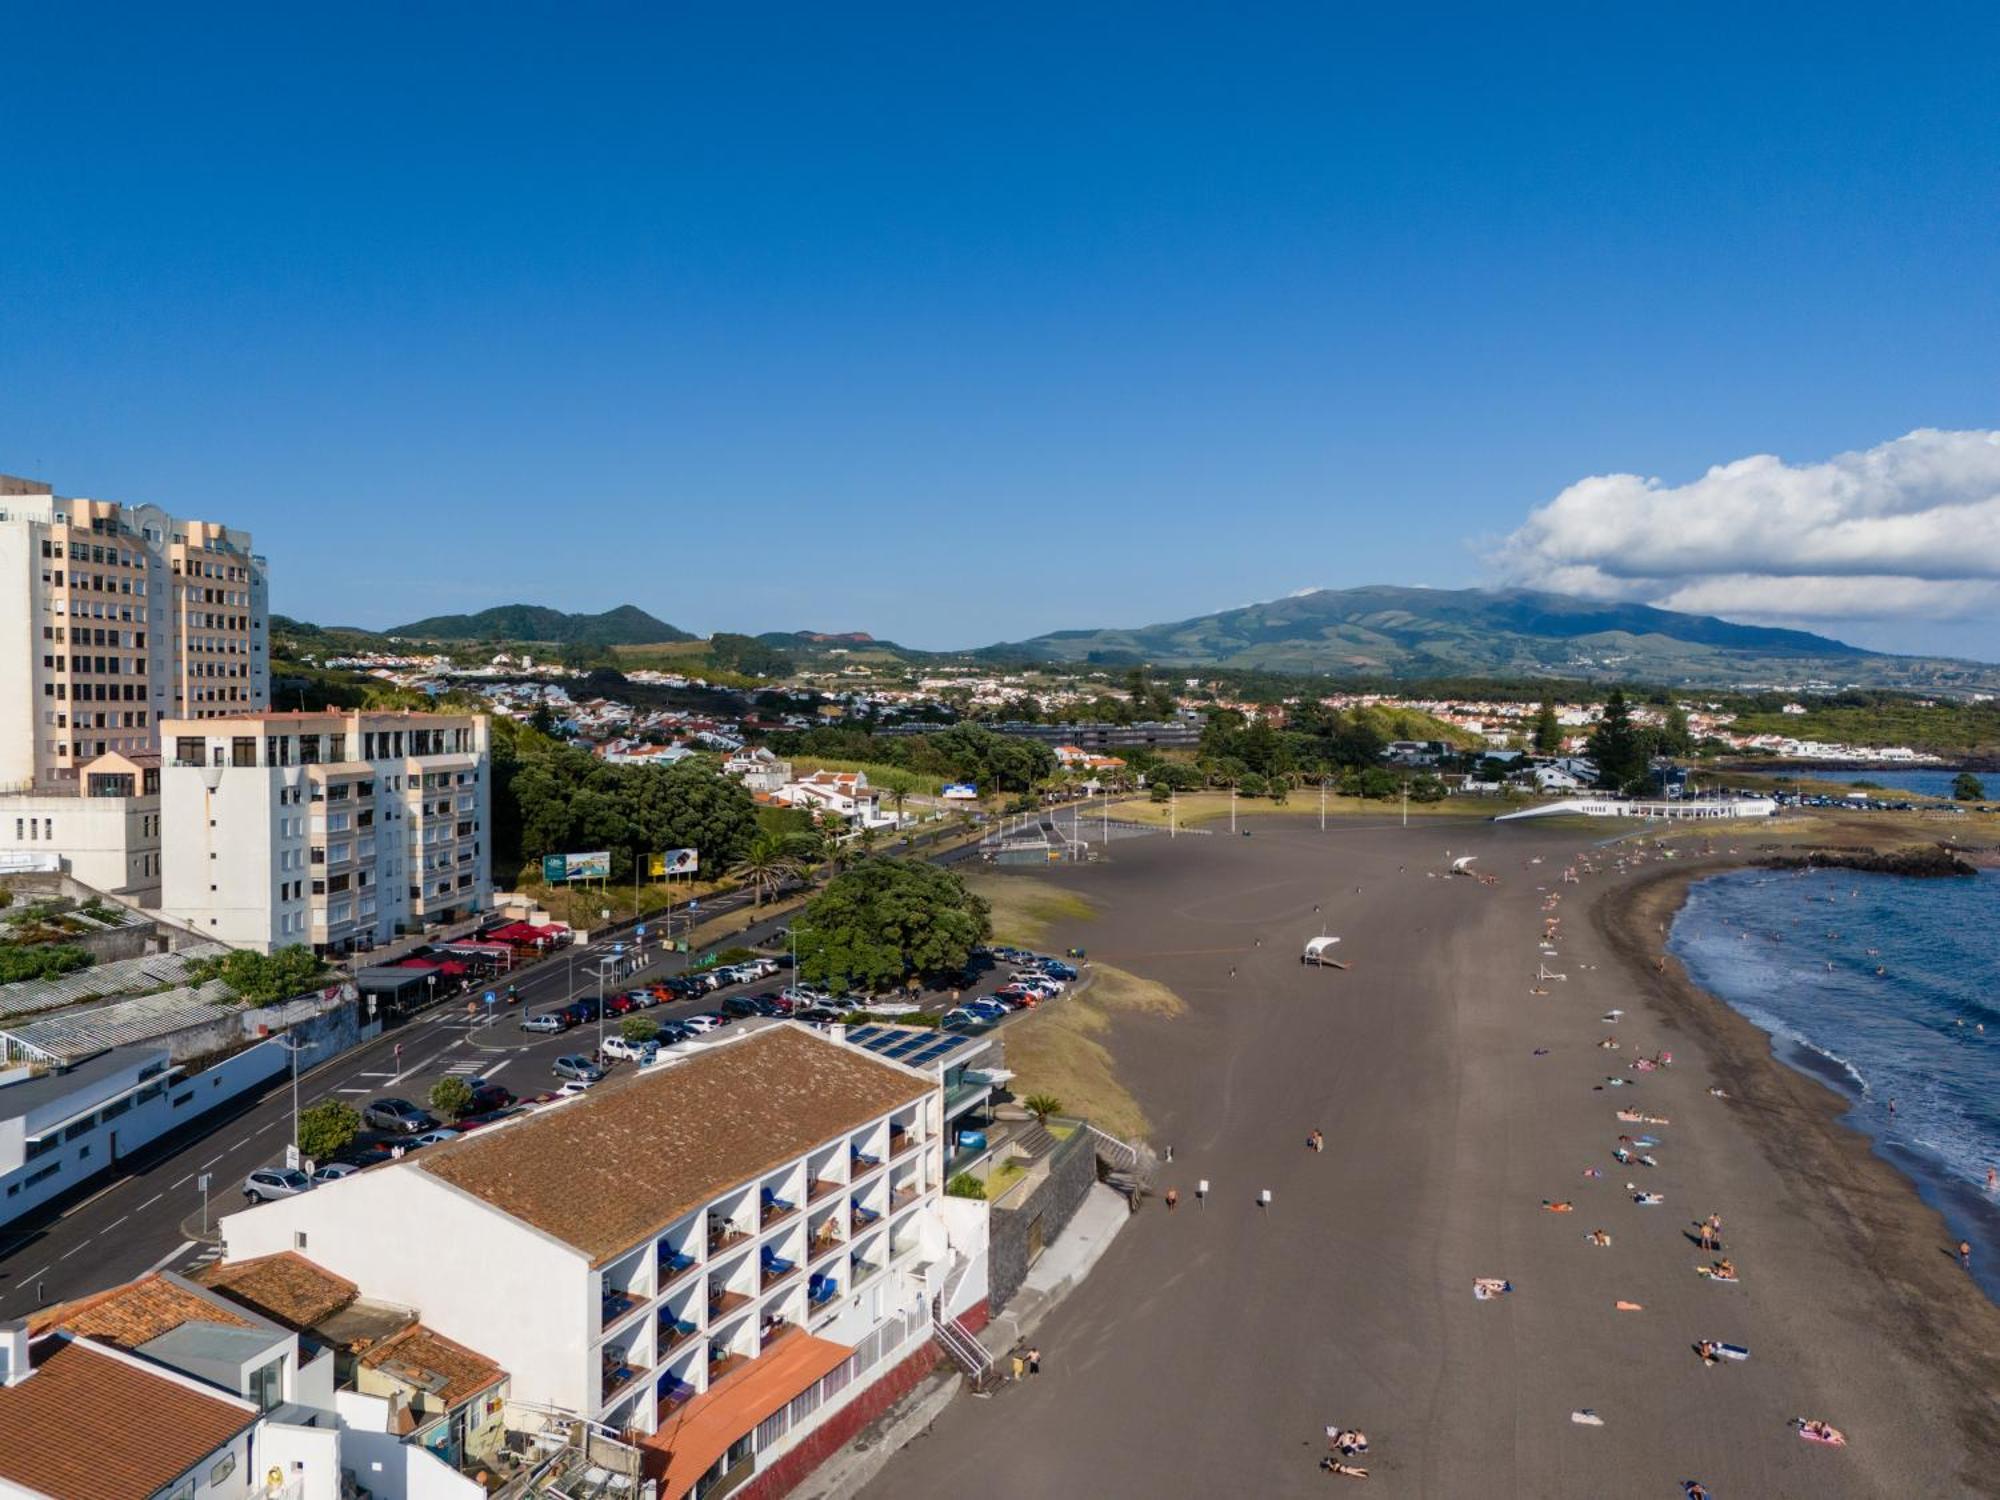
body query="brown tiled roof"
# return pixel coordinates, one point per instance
(135, 1313)
(693, 1438)
(285, 1287)
(630, 1157)
(419, 1356)
(88, 1422)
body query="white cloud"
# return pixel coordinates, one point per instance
(1906, 530)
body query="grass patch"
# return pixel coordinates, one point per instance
(1023, 907)
(1059, 1048)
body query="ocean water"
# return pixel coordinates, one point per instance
(1888, 988)
(1932, 782)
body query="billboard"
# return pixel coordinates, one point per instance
(557, 868)
(676, 862)
(962, 791)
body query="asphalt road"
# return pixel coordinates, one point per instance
(139, 1218)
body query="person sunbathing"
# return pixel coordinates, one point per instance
(1485, 1288)
(1725, 1270)
(1333, 1465)
(1709, 1351)
(1563, 1207)
(1817, 1431)
(1649, 1200)
(1599, 1238)
(1624, 1306)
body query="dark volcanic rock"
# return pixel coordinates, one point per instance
(1926, 861)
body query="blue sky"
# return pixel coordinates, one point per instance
(815, 317)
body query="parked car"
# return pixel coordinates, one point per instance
(640, 1052)
(961, 1019)
(700, 1024)
(333, 1171)
(803, 994)
(818, 1015)
(577, 1069)
(547, 1023)
(619, 1005)
(675, 1032)
(993, 1010)
(398, 1115)
(267, 1183)
(740, 1006)
(435, 1137)
(487, 1096)
(643, 999)
(571, 1089)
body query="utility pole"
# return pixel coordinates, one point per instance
(1406, 802)
(1322, 804)
(1173, 827)
(1232, 807)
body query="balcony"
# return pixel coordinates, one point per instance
(673, 1266)
(822, 1187)
(721, 1361)
(773, 1268)
(772, 1331)
(821, 1289)
(674, 1332)
(618, 1375)
(860, 1217)
(674, 1394)
(722, 1302)
(772, 1209)
(616, 1305)
(861, 1270)
(722, 1233)
(901, 1142)
(825, 1239)
(902, 1197)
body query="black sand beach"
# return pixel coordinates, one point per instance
(1211, 1347)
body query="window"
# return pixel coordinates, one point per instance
(222, 1469)
(267, 1385)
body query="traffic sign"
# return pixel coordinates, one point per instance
(642, 929)
(489, 997)
(202, 1182)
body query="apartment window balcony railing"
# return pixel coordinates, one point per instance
(722, 1302)
(673, 1266)
(821, 1289)
(861, 1217)
(616, 1305)
(675, 1332)
(772, 1209)
(722, 1233)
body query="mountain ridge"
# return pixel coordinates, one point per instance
(622, 625)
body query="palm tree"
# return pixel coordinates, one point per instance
(1041, 1106)
(770, 858)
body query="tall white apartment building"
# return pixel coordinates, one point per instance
(112, 618)
(337, 830)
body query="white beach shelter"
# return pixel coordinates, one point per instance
(1319, 951)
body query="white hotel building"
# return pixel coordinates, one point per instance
(112, 618)
(716, 1257)
(336, 830)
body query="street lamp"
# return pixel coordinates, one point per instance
(602, 965)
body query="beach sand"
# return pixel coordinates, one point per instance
(1211, 1346)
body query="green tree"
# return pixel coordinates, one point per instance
(451, 1097)
(1966, 787)
(327, 1129)
(1617, 748)
(1281, 789)
(772, 858)
(1250, 784)
(639, 1030)
(880, 920)
(1548, 731)
(1041, 1106)
(1674, 736)
(965, 1185)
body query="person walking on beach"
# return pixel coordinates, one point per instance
(1173, 1199)
(1201, 1192)
(1034, 1360)
(1264, 1198)
(1965, 1254)
(1315, 1141)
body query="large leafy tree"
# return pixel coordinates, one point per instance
(881, 920)
(1617, 747)
(1966, 787)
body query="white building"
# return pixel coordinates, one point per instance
(105, 832)
(716, 1256)
(112, 618)
(845, 794)
(336, 830)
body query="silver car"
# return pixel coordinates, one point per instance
(267, 1183)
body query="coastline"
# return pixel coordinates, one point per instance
(1852, 1196)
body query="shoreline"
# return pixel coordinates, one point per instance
(1853, 1196)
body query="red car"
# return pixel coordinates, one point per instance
(619, 1005)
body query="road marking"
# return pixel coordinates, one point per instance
(23, 1281)
(268, 1124)
(188, 1178)
(114, 1224)
(354, 1091)
(68, 1253)
(149, 1203)
(238, 1146)
(498, 1066)
(209, 1163)
(172, 1255)
(366, 1074)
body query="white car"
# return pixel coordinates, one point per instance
(571, 1089)
(802, 994)
(333, 1171)
(699, 1024)
(435, 1137)
(638, 1052)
